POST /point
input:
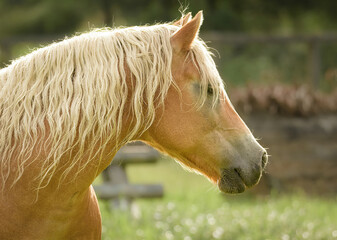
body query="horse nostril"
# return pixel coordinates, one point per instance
(264, 159)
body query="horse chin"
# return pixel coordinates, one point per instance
(234, 180)
(231, 182)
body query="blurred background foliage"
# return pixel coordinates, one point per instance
(64, 16)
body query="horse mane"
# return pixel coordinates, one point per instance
(59, 96)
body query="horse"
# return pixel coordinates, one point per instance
(66, 109)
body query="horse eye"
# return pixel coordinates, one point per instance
(210, 90)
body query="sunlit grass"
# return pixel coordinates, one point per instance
(193, 209)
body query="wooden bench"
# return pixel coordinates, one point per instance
(116, 187)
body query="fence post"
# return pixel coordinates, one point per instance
(314, 63)
(116, 174)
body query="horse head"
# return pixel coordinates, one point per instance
(197, 124)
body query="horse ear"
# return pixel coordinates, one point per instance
(187, 18)
(183, 20)
(183, 38)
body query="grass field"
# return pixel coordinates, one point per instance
(193, 209)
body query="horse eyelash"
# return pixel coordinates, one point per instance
(210, 90)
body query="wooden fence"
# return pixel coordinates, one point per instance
(116, 187)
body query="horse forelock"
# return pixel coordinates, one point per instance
(62, 95)
(209, 75)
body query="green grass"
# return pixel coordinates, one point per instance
(194, 209)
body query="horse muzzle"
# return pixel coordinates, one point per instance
(236, 180)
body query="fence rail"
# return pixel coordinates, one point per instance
(239, 38)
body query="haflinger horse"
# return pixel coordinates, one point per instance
(67, 108)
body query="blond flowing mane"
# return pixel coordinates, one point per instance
(61, 95)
